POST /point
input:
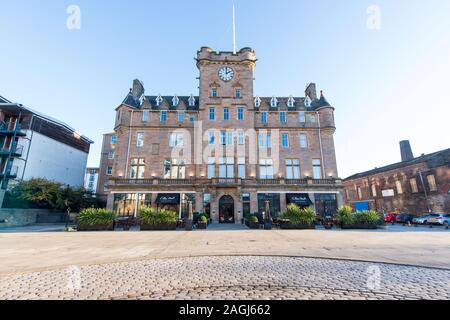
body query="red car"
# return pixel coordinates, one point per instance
(390, 216)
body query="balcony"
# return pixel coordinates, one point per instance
(11, 173)
(15, 151)
(11, 128)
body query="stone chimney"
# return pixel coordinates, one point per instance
(406, 151)
(138, 89)
(311, 91)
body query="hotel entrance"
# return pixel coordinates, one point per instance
(226, 210)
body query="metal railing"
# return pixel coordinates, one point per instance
(10, 126)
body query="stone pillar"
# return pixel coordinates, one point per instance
(253, 202)
(238, 215)
(214, 207)
(110, 201)
(340, 199)
(283, 202)
(199, 202)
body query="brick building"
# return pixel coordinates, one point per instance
(225, 151)
(414, 185)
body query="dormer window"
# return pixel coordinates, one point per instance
(237, 92)
(192, 101)
(214, 92)
(257, 102)
(291, 102)
(274, 102)
(307, 102)
(159, 100)
(175, 101)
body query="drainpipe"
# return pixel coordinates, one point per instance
(129, 145)
(321, 147)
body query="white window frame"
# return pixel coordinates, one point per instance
(226, 114)
(302, 116)
(176, 140)
(108, 171)
(211, 168)
(163, 116)
(181, 116)
(226, 167)
(292, 169)
(264, 118)
(145, 115)
(241, 168)
(266, 170)
(303, 141)
(283, 117)
(111, 155)
(140, 139)
(285, 140)
(317, 168)
(240, 113)
(212, 114)
(241, 138)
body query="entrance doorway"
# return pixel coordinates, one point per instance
(226, 209)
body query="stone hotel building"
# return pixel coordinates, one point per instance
(225, 151)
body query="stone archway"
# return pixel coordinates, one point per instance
(226, 209)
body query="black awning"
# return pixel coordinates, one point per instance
(168, 198)
(300, 199)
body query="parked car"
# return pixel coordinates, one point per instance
(405, 218)
(440, 219)
(423, 219)
(390, 216)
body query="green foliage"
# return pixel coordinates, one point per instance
(252, 218)
(203, 215)
(203, 219)
(345, 215)
(153, 217)
(93, 216)
(348, 217)
(45, 194)
(297, 215)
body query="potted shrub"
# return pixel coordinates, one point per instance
(297, 218)
(152, 219)
(252, 222)
(202, 222)
(358, 220)
(96, 220)
(206, 217)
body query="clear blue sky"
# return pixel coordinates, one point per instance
(386, 85)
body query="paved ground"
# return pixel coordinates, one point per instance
(231, 278)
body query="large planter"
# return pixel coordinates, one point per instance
(287, 225)
(359, 226)
(164, 226)
(109, 226)
(252, 225)
(202, 225)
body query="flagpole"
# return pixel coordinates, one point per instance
(234, 30)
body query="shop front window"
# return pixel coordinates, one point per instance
(271, 199)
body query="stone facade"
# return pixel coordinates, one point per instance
(417, 186)
(240, 171)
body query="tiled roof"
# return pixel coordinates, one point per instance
(436, 159)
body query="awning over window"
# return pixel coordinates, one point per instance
(168, 198)
(300, 199)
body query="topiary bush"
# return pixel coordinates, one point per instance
(91, 217)
(297, 215)
(153, 217)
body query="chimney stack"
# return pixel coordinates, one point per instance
(406, 151)
(138, 89)
(311, 91)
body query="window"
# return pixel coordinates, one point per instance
(212, 114)
(241, 168)
(398, 185)
(266, 169)
(226, 167)
(347, 194)
(214, 92)
(163, 116)
(226, 114)
(230, 138)
(137, 168)
(211, 138)
(285, 140)
(191, 119)
(413, 183)
(113, 139)
(237, 92)
(359, 193)
(302, 117)
(240, 113)
(432, 183)
(176, 140)
(111, 155)
(175, 101)
(211, 168)
(317, 169)
(174, 169)
(181, 116)
(265, 140)
(274, 102)
(140, 139)
(192, 101)
(311, 118)
(223, 137)
(292, 169)
(145, 115)
(159, 100)
(257, 102)
(291, 102)
(283, 117)
(119, 115)
(264, 117)
(374, 191)
(303, 141)
(241, 138)
(91, 178)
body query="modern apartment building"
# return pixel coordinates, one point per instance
(224, 151)
(33, 145)
(415, 185)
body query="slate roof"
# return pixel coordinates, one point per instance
(433, 160)
(4, 100)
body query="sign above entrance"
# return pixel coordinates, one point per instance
(300, 199)
(167, 198)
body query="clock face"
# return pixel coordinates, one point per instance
(226, 73)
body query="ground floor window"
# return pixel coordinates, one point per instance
(326, 204)
(207, 204)
(271, 199)
(187, 204)
(125, 203)
(246, 204)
